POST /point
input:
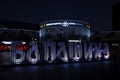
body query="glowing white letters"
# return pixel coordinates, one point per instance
(74, 51)
(63, 51)
(18, 56)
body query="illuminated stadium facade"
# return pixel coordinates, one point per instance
(54, 42)
(65, 29)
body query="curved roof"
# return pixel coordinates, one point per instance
(64, 23)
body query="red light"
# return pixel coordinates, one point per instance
(4, 47)
(23, 47)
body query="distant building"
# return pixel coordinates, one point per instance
(17, 31)
(116, 17)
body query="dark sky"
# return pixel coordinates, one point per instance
(96, 12)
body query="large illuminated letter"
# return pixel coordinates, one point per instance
(97, 51)
(75, 51)
(88, 51)
(101, 50)
(17, 56)
(33, 54)
(62, 52)
(106, 52)
(50, 51)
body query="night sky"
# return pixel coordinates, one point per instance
(96, 12)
